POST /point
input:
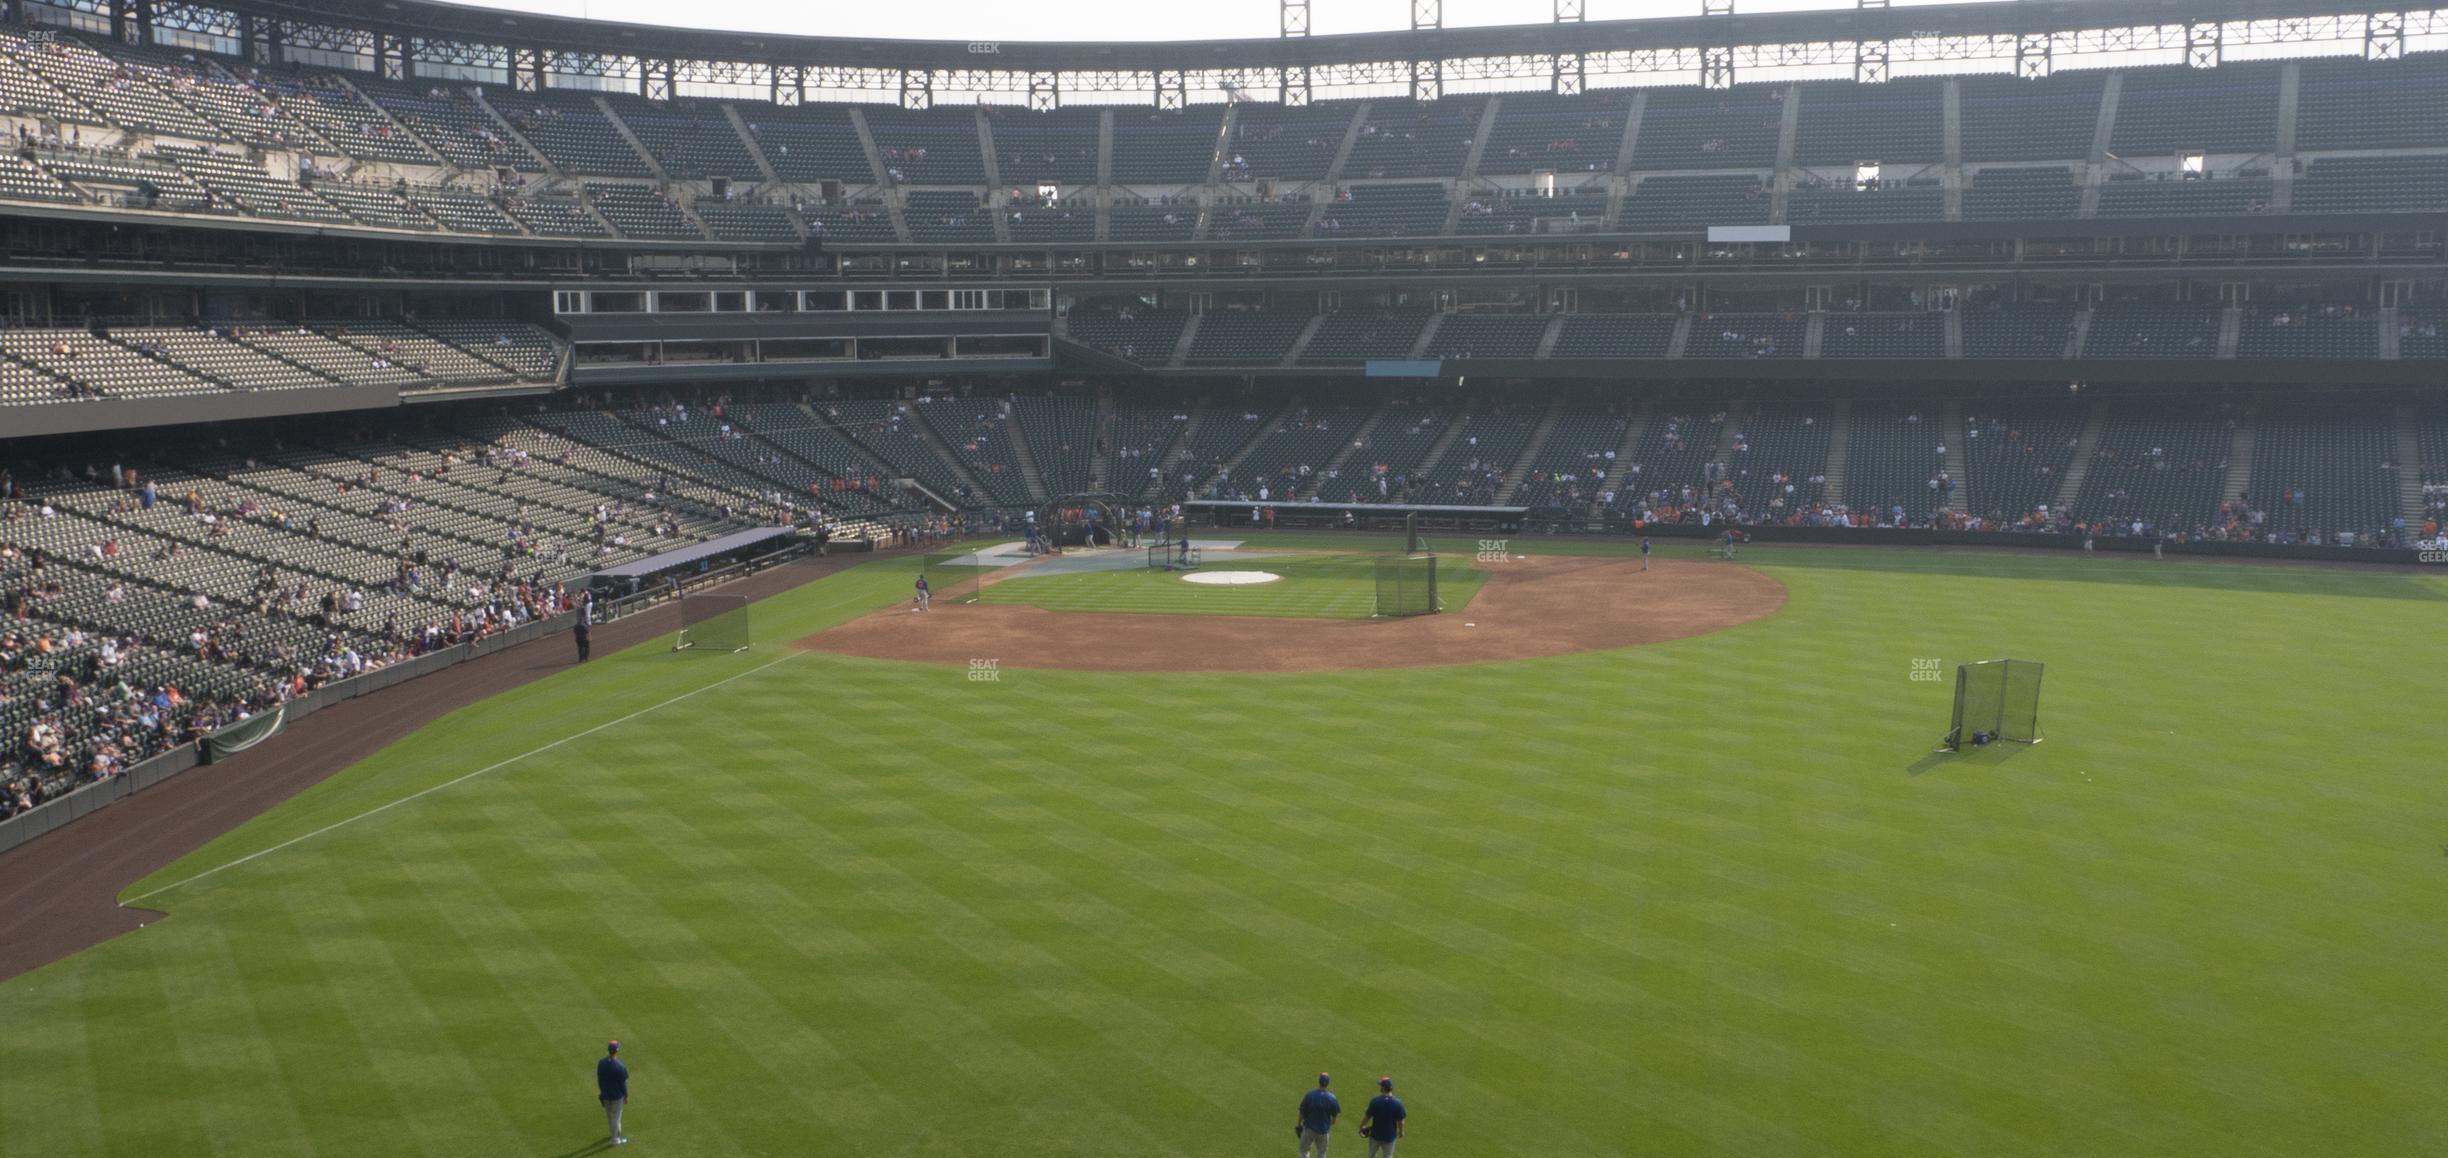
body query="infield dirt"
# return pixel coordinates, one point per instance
(1529, 607)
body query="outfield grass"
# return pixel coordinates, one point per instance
(1314, 586)
(1707, 897)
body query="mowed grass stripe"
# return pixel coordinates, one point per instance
(1708, 897)
(739, 914)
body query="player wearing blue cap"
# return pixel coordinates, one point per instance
(612, 1089)
(1318, 1111)
(1383, 1124)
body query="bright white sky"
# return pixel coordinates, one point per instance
(1089, 19)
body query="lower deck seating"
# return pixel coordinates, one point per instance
(1142, 440)
(1488, 444)
(974, 430)
(1576, 467)
(1778, 461)
(1667, 463)
(2158, 465)
(1287, 458)
(2016, 455)
(890, 430)
(1894, 460)
(2319, 473)
(1062, 440)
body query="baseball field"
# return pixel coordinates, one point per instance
(1697, 885)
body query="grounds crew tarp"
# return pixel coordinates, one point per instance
(231, 739)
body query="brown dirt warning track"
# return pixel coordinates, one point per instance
(1538, 606)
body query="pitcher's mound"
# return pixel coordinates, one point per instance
(1542, 605)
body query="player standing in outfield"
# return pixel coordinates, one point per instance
(1383, 1124)
(586, 623)
(1318, 1111)
(925, 594)
(612, 1089)
(1644, 552)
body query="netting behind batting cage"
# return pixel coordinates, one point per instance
(952, 576)
(713, 623)
(1407, 585)
(1995, 701)
(1179, 556)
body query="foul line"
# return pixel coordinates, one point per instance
(459, 780)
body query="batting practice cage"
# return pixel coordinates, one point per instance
(1175, 556)
(1407, 585)
(952, 576)
(713, 623)
(1996, 700)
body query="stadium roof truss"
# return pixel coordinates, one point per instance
(419, 39)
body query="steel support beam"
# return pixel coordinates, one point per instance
(2384, 36)
(1570, 75)
(1292, 17)
(1717, 67)
(527, 69)
(2205, 45)
(1870, 62)
(2035, 56)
